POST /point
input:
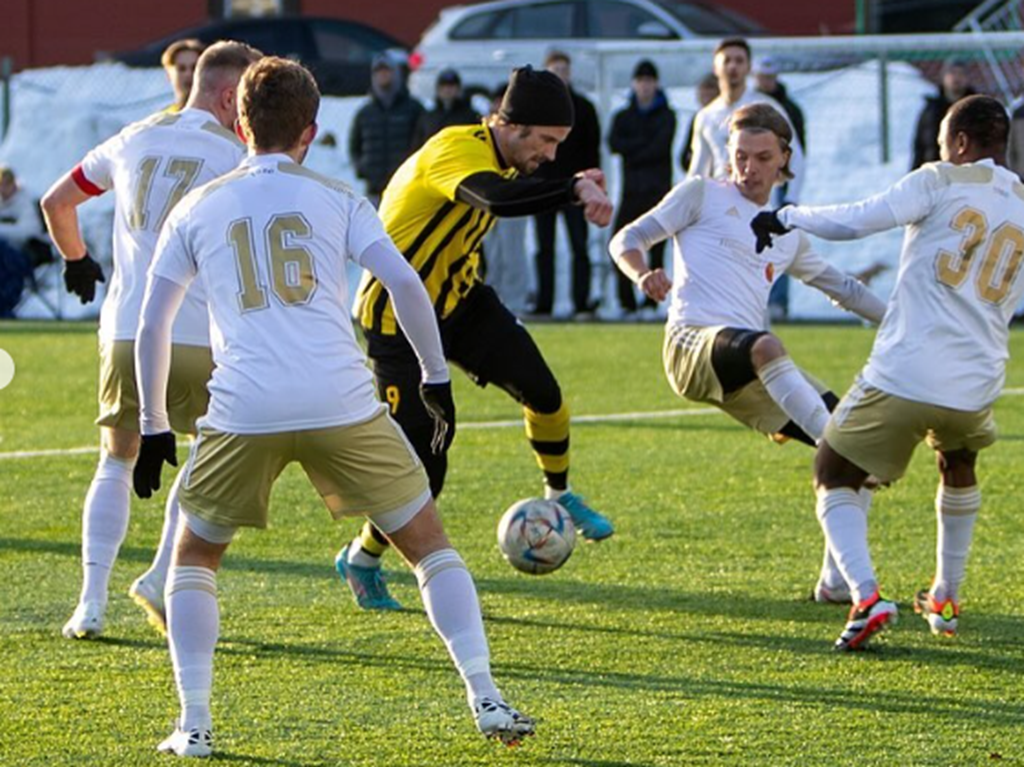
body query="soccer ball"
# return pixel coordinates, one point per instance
(536, 536)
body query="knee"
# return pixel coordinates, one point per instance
(958, 468)
(832, 470)
(192, 550)
(766, 349)
(121, 443)
(545, 398)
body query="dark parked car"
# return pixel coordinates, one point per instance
(338, 52)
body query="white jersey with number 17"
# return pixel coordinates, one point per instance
(151, 165)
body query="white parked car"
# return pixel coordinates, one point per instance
(483, 42)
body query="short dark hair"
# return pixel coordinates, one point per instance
(733, 42)
(277, 100)
(556, 55)
(764, 118)
(983, 120)
(171, 51)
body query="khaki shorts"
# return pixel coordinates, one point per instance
(687, 359)
(879, 432)
(358, 469)
(187, 396)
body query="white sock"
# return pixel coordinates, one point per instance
(360, 557)
(795, 395)
(830, 575)
(846, 531)
(956, 509)
(157, 573)
(193, 624)
(104, 524)
(552, 494)
(452, 605)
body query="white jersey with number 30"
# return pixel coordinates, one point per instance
(944, 337)
(151, 165)
(270, 241)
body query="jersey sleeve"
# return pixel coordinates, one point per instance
(364, 229)
(451, 160)
(907, 201)
(95, 174)
(173, 259)
(681, 207)
(807, 264)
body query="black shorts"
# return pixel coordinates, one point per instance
(730, 357)
(486, 341)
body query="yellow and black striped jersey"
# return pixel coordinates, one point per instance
(438, 234)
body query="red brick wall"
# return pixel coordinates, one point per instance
(46, 32)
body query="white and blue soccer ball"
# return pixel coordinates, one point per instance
(536, 536)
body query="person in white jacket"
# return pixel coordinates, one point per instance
(710, 141)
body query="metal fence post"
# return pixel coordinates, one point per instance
(883, 104)
(6, 67)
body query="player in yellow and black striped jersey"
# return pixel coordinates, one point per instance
(437, 208)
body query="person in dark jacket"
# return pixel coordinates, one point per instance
(642, 133)
(955, 85)
(383, 128)
(580, 151)
(450, 108)
(766, 72)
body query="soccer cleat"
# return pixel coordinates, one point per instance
(497, 720)
(941, 617)
(86, 622)
(150, 598)
(839, 595)
(591, 525)
(867, 618)
(367, 584)
(195, 742)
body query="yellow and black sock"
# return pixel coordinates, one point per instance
(548, 434)
(371, 541)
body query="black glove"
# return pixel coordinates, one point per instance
(766, 224)
(155, 450)
(438, 400)
(81, 276)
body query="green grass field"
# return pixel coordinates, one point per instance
(685, 639)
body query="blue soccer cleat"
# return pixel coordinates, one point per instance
(367, 584)
(590, 524)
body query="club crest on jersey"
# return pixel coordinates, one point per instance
(769, 272)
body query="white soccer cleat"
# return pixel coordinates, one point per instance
(839, 595)
(86, 622)
(150, 598)
(195, 742)
(497, 720)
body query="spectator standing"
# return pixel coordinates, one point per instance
(179, 63)
(579, 152)
(450, 108)
(955, 85)
(707, 91)
(1015, 151)
(642, 134)
(383, 128)
(19, 222)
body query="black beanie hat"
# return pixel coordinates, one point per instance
(645, 68)
(536, 98)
